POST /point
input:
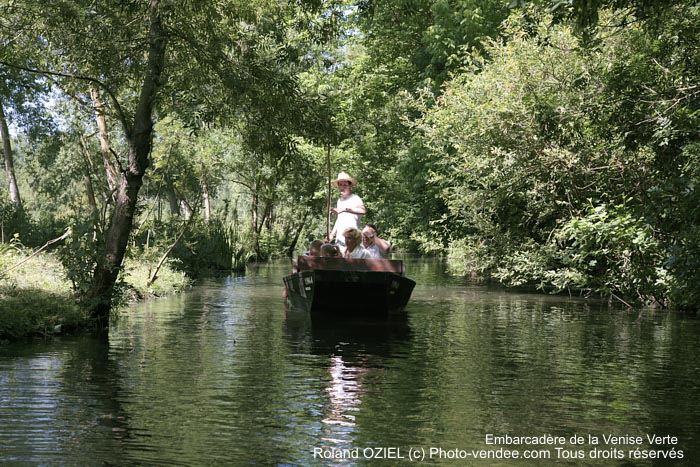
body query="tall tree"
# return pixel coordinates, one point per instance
(9, 160)
(17, 91)
(208, 60)
(138, 133)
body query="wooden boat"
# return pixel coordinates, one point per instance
(364, 287)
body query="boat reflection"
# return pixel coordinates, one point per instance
(356, 353)
(358, 339)
(321, 334)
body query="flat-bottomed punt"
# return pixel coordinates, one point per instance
(364, 287)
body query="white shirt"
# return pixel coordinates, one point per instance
(373, 251)
(346, 219)
(360, 253)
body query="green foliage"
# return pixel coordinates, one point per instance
(612, 251)
(421, 43)
(30, 312)
(134, 277)
(228, 62)
(79, 254)
(507, 162)
(553, 172)
(210, 248)
(684, 264)
(34, 295)
(524, 153)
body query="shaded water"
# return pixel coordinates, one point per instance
(227, 375)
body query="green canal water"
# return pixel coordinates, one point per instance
(227, 375)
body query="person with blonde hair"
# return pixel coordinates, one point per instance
(353, 241)
(349, 209)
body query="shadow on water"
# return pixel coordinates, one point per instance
(328, 334)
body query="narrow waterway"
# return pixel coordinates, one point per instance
(227, 375)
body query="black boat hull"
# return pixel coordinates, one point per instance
(353, 292)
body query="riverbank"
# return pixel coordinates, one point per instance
(36, 297)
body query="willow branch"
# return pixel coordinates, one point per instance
(46, 245)
(89, 79)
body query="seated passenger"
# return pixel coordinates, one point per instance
(375, 246)
(315, 248)
(353, 242)
(329, 250)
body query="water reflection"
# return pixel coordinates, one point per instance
(227, 375)
(60, 397)
(345, 391)
(356, 352)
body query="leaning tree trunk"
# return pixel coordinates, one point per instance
(89, 188)
(110, 170)
(172, 196)
(254, 221)
(139, 137)
(293, 244)
(9, 161)
(205, 196)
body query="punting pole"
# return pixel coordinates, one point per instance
(328, 198)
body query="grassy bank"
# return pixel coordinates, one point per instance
(36, 297)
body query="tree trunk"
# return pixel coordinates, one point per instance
(94, 213)
(89, 189)
(205, 197)
(139, 137)
(257, 226)
(297, 234)
(110, 170)
(186, 209)
(172, 197)
(9, 161)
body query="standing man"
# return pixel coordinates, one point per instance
(377, 247)
(349, 209)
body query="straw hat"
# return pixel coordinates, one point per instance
(343, 177)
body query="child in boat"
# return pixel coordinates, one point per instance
(329, 250)
(315, 248)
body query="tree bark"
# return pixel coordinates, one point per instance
(297, 234)
(205, 196)
(139, 137)
(254, 221)
(172, 196)
(89, 189)
(9, 161)
(185, 209)
(111, 171)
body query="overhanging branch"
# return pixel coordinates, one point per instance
(120, 113)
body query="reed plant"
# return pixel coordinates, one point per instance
(212, 248)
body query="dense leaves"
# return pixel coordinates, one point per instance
(553, 160)
(540, 143)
